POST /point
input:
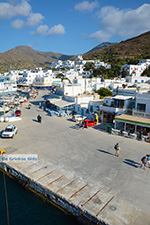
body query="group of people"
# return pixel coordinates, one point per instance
(145, 160)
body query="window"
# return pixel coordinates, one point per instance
(141, 107)
(91, 108)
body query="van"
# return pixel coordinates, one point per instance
(78, 118)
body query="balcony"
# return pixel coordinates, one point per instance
(112, 109)
(140, 113)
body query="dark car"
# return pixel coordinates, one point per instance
(88, 123)
(18, 112)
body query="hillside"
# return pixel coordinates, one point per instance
(23, 57)
(137, 46)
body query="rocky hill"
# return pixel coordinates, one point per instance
(102, 45)
(23, 57)
(137, 46)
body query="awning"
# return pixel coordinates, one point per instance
(133, 120)
(122, 97)
(57, 101)
(62, 103)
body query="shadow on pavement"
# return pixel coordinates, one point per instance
(75, 127)
(36, 102)
(131, 163)
(70, 120)
(34, 120)
(106, 152)
(102, 126)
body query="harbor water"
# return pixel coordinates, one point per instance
(26, 208)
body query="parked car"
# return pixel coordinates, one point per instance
(88, 123)
(78, 118)
(18, 112)
(9, 131)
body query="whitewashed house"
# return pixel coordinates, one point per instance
(56, 64)
(71, 74)
(7, 84)
(113, 106)
(68, 64)
(145, 62)
(135, 71)
(142, 103)
(46, 81)
(98, 64)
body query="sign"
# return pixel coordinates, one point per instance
(18, 158)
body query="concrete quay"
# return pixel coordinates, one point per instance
(77, 169)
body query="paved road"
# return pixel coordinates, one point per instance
(88, 154)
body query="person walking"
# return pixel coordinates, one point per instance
(144, 161)
(80, 125)
(148, 160)
(117, 148)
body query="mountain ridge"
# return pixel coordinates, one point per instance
(136, 46)
(24, 57)
(102, 45)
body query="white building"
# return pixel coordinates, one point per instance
(142, 102)
(71, 74)
(79, 58)
(135, 71)
(78, 86)
(68, 63)
(32, 76)
(7, 84)
(99, 64)
(145, 62)
(57, 64)
(86, 74)
(46, 81)
(114, 106)
(85, 104)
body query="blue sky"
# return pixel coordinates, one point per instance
(70, 26)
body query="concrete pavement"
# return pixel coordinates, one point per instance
(83, 167)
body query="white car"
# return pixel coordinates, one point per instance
(78, 118)
(9, 131)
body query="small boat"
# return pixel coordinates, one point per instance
(4, 108)
(25, 99)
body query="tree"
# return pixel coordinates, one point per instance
(146, 72)
(104, 92)
(54, 69)
(60, 75)
(124, 73)
(88, 66)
